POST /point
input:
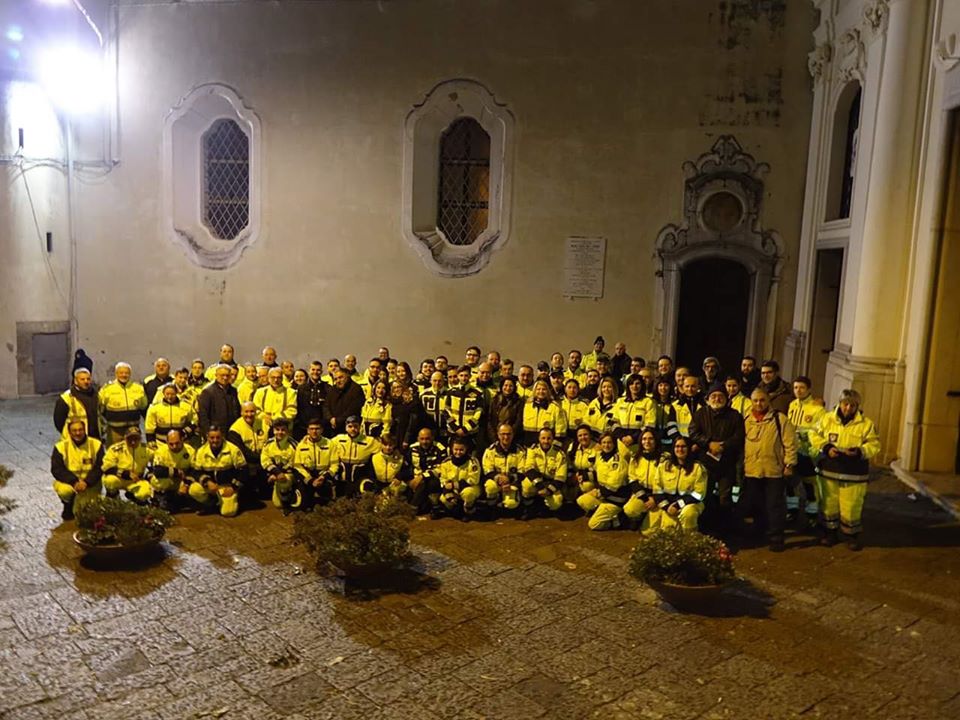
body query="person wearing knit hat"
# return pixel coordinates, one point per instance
(717, 429)
(590, 359)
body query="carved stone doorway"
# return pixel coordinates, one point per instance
(722, 208)
(712, 318)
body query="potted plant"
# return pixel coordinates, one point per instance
(686, 568)
(110, 527)
(358, 537)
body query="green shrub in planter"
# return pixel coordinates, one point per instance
(111, 521)
(682, 558)
(358, 534)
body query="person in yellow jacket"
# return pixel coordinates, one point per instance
(544, 475)
(377, 411)
(805, 413)
(463, 407)
(590, 359)
(249, 433)
(125, 468)
(122, 403)
(275, 401)
(573, 407)
(845, 442)
(76, 465)
(171, 413)
(217, 468)
(386, 470)
(170, 469)
(634, 412)
(276, 461)
(605, 502)
(738, 401)
(502, 464)
(582, 464)
(353, 451)
(459, 481)
(541, 411)
(680, 489)
(643, 474)
(601, 413)
(769, 459)
(316, 466)
(250, 384)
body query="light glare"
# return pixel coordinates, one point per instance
(14, 33)
(73, 79)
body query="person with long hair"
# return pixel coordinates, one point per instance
(573, 407)
(681, 488)
(506, 408)
(634, 411)
(664, 413)
(377, 412)
(542, 411)
(641, 508)
(601, 413)
(605, 502)
(405, 375)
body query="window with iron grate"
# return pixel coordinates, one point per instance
(463, 194)
(226, 179)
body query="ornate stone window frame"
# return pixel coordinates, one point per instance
(726, 168)
(182, 174)
(423, 127)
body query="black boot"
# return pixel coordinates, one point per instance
(828, 537)
(853, 542)
(67, 512)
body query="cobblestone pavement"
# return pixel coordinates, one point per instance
(509, 620)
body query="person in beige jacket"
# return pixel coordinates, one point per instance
(769, 455)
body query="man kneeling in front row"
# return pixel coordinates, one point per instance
(76, 464)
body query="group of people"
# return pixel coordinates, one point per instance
(632, 444)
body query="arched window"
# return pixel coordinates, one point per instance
(463, 199)
(226, 179)
(212, 184)
(457, 168)
(843, 153)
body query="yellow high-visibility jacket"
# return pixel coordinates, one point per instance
(280, 403)
(122, 405)
(313, 459)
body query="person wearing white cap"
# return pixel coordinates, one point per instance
(122, 403)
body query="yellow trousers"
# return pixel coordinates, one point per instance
(67, 494)
(841, 504)
(225, 496)
(507, 497)
(552, 501)
(140, 489)
(688, 518)
(603, 515)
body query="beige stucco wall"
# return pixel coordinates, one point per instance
(610, 98)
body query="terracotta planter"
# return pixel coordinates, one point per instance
(116, 551)
(690, 598)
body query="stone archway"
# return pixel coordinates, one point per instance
(722, 204)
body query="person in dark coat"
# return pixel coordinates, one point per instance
(344, 399)
(218, 404)
(311, 401)
(79, 402)
(718, 430)
(781, 394)
(406, 414)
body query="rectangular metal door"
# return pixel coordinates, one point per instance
(51, 363)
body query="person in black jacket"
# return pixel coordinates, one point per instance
(344, 399)
(218, 404)
(718, 430)
(311, 401)
(406, 414)
(79, 402)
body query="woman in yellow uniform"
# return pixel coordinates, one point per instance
(681, 488)
(607, 499)
(643, 475)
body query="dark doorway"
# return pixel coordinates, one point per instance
(826, 306)
(714, 304)
(51, 364)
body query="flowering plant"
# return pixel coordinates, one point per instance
(682, 558)
(111, 521)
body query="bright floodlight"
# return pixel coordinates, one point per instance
(73, 78)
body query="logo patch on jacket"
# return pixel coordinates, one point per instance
(834, 437)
